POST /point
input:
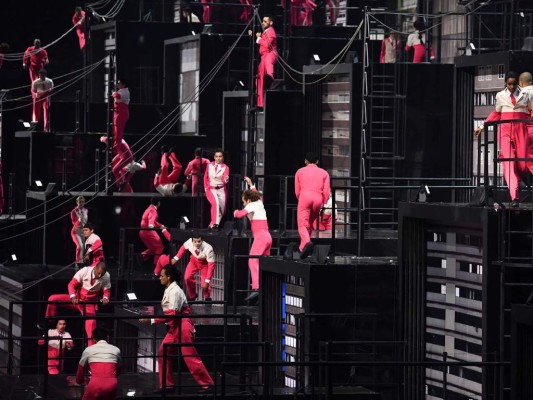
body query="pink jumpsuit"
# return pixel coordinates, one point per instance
(38, 58)
(194, 169)
(269, 55)
(104, 361)
(175, 303)
(216, 179)
(513, 138)
(262, 238)
(150, 238)
(57, 343)
(86, 288)
(203, 260)
(413, 40)
(121, 115)
(311, 185)
(79, 217)
(41, 90)
(80, 29)
(164, 259)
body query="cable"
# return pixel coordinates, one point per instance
(55, 92)
(55, 78)
(20, 56)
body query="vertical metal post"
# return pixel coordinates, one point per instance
(10, 340)
(110, 125)
(252, 116)
(77, 126)
(362, 163)
(44, 227)
(86, 62)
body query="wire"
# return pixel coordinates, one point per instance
(55, 78)
(65, 86)
(20, 56)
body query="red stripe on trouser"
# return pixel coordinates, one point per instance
(189, 353)
(120, 117)
(217, 199)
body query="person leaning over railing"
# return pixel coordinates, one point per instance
(513, 139)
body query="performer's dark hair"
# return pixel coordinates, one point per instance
(102, 265)
(197, 236)
(252, 195)
(311, 157)
(219, 151)
(43, 71)
(89, 225)
(77, 9)
(173, 272)
(4, 47)
(269, 17)
(198, 151)
(178, 188)
(100, 334)
(123, 81)
(155, 201)
(419, 25)
(511, 74)
(36, 40)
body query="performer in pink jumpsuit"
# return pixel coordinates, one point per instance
(417, 40)
(269, 55)
(513, 137)
(104, 362)
(216, 180)
(167, 183)
(390, 49)
(94, 248)
(202, 259)
(149, 237)
(181, 330)
(79, 217)
(121, 112)
(58, 340)
(41, 89)
(311, 185)
(78, 20)
(165, 258)
(123, 166)
(255, 210)
(38, 59)
(88, 284)
(195, 168)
